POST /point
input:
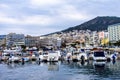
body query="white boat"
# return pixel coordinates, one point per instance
(68, 56)
(43, 56)
(75, 56)
(53, 56)
(99, 55)
(14, 59)
(59, 54)
(5, 56)
(83, 56)
(80, 56)
(14, 55)
(49, 56)
(40, 58)
(32, 57)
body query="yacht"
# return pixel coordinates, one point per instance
(53, 56)
(99, 55)
(12, 55)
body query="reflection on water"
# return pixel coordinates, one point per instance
(60, 71)
(53, 66)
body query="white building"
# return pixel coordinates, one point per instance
(103, 34)
(114, 32)
(32, 41)
(13, 39)
(59, 41)
(106, 35)
(94, 38)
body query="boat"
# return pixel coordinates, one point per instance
(14, 58)
(5, 56)
(43, 57)
(99, 55)
(80, 56)
(12, 55)
(75, 57)
(33, 53)
(68, 56)
(83, 56)
(53, 56)
(25, 57)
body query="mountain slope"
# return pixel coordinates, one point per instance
(96, 24)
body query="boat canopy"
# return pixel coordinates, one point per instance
(99, 54)
(11, 51)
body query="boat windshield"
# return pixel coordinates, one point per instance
(45, 53)
(99, 54)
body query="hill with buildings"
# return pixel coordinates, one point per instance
(96, 24)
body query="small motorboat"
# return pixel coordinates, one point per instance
(53, 56)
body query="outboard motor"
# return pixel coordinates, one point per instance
(113, 58)
(108, 59)
(52, 58)
(82, 58)
(23, 61)
(68, 58)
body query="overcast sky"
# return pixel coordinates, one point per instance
(38, 17)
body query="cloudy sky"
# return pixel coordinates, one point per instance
(38, 17)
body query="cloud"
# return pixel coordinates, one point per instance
(43, 31)
(26, 20)
(36, 20)
(101, 0)
(72, 13)
(6, 19)
(45, 16)
(4, 6)
(13, 29)
(45, 3)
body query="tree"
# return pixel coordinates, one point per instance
(63, 45)
(23, 48)
(3, 45)
(117, 43)
(73, 45)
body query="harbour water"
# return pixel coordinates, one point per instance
(60, 71)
